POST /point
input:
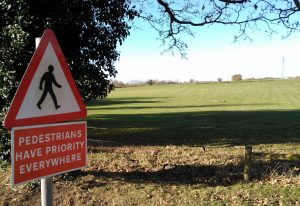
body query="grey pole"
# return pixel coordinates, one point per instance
(46, 183)
(47, 191)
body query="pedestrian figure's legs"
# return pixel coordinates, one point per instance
(54, 98)
(42, 99)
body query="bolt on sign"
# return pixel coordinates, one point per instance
(42, 145)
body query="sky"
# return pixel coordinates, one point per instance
(211, 54)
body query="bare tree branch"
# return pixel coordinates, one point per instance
(234, 1)
(173, 19)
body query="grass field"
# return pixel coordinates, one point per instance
(192, 114)
(183, 144)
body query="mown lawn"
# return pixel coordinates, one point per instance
(183, 144)
(242, 113)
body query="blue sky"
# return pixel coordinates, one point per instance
(212, 54)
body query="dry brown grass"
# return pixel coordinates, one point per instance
(168, 175)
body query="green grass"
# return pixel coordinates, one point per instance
(259, 112)
(145, 148)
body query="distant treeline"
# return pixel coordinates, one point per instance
(235, 77)
(141, 83)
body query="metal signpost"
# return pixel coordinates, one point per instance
(43, 143)
(46, 183)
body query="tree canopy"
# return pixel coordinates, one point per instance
(88, 33)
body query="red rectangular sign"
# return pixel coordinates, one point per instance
(46, 150)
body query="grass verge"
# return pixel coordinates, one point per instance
(146, 148)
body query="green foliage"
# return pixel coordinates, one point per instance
(12, 51)
(4, 148)
(88, 32)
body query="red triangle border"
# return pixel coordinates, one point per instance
(10, 118)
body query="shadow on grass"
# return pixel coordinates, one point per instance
(126, 107)
(209, 175)
(196, 128)
(179, 174)
(123, 101)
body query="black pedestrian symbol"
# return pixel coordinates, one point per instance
(48, 78)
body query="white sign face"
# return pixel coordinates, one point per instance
(49, 92)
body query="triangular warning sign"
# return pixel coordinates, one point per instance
(47, 92)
